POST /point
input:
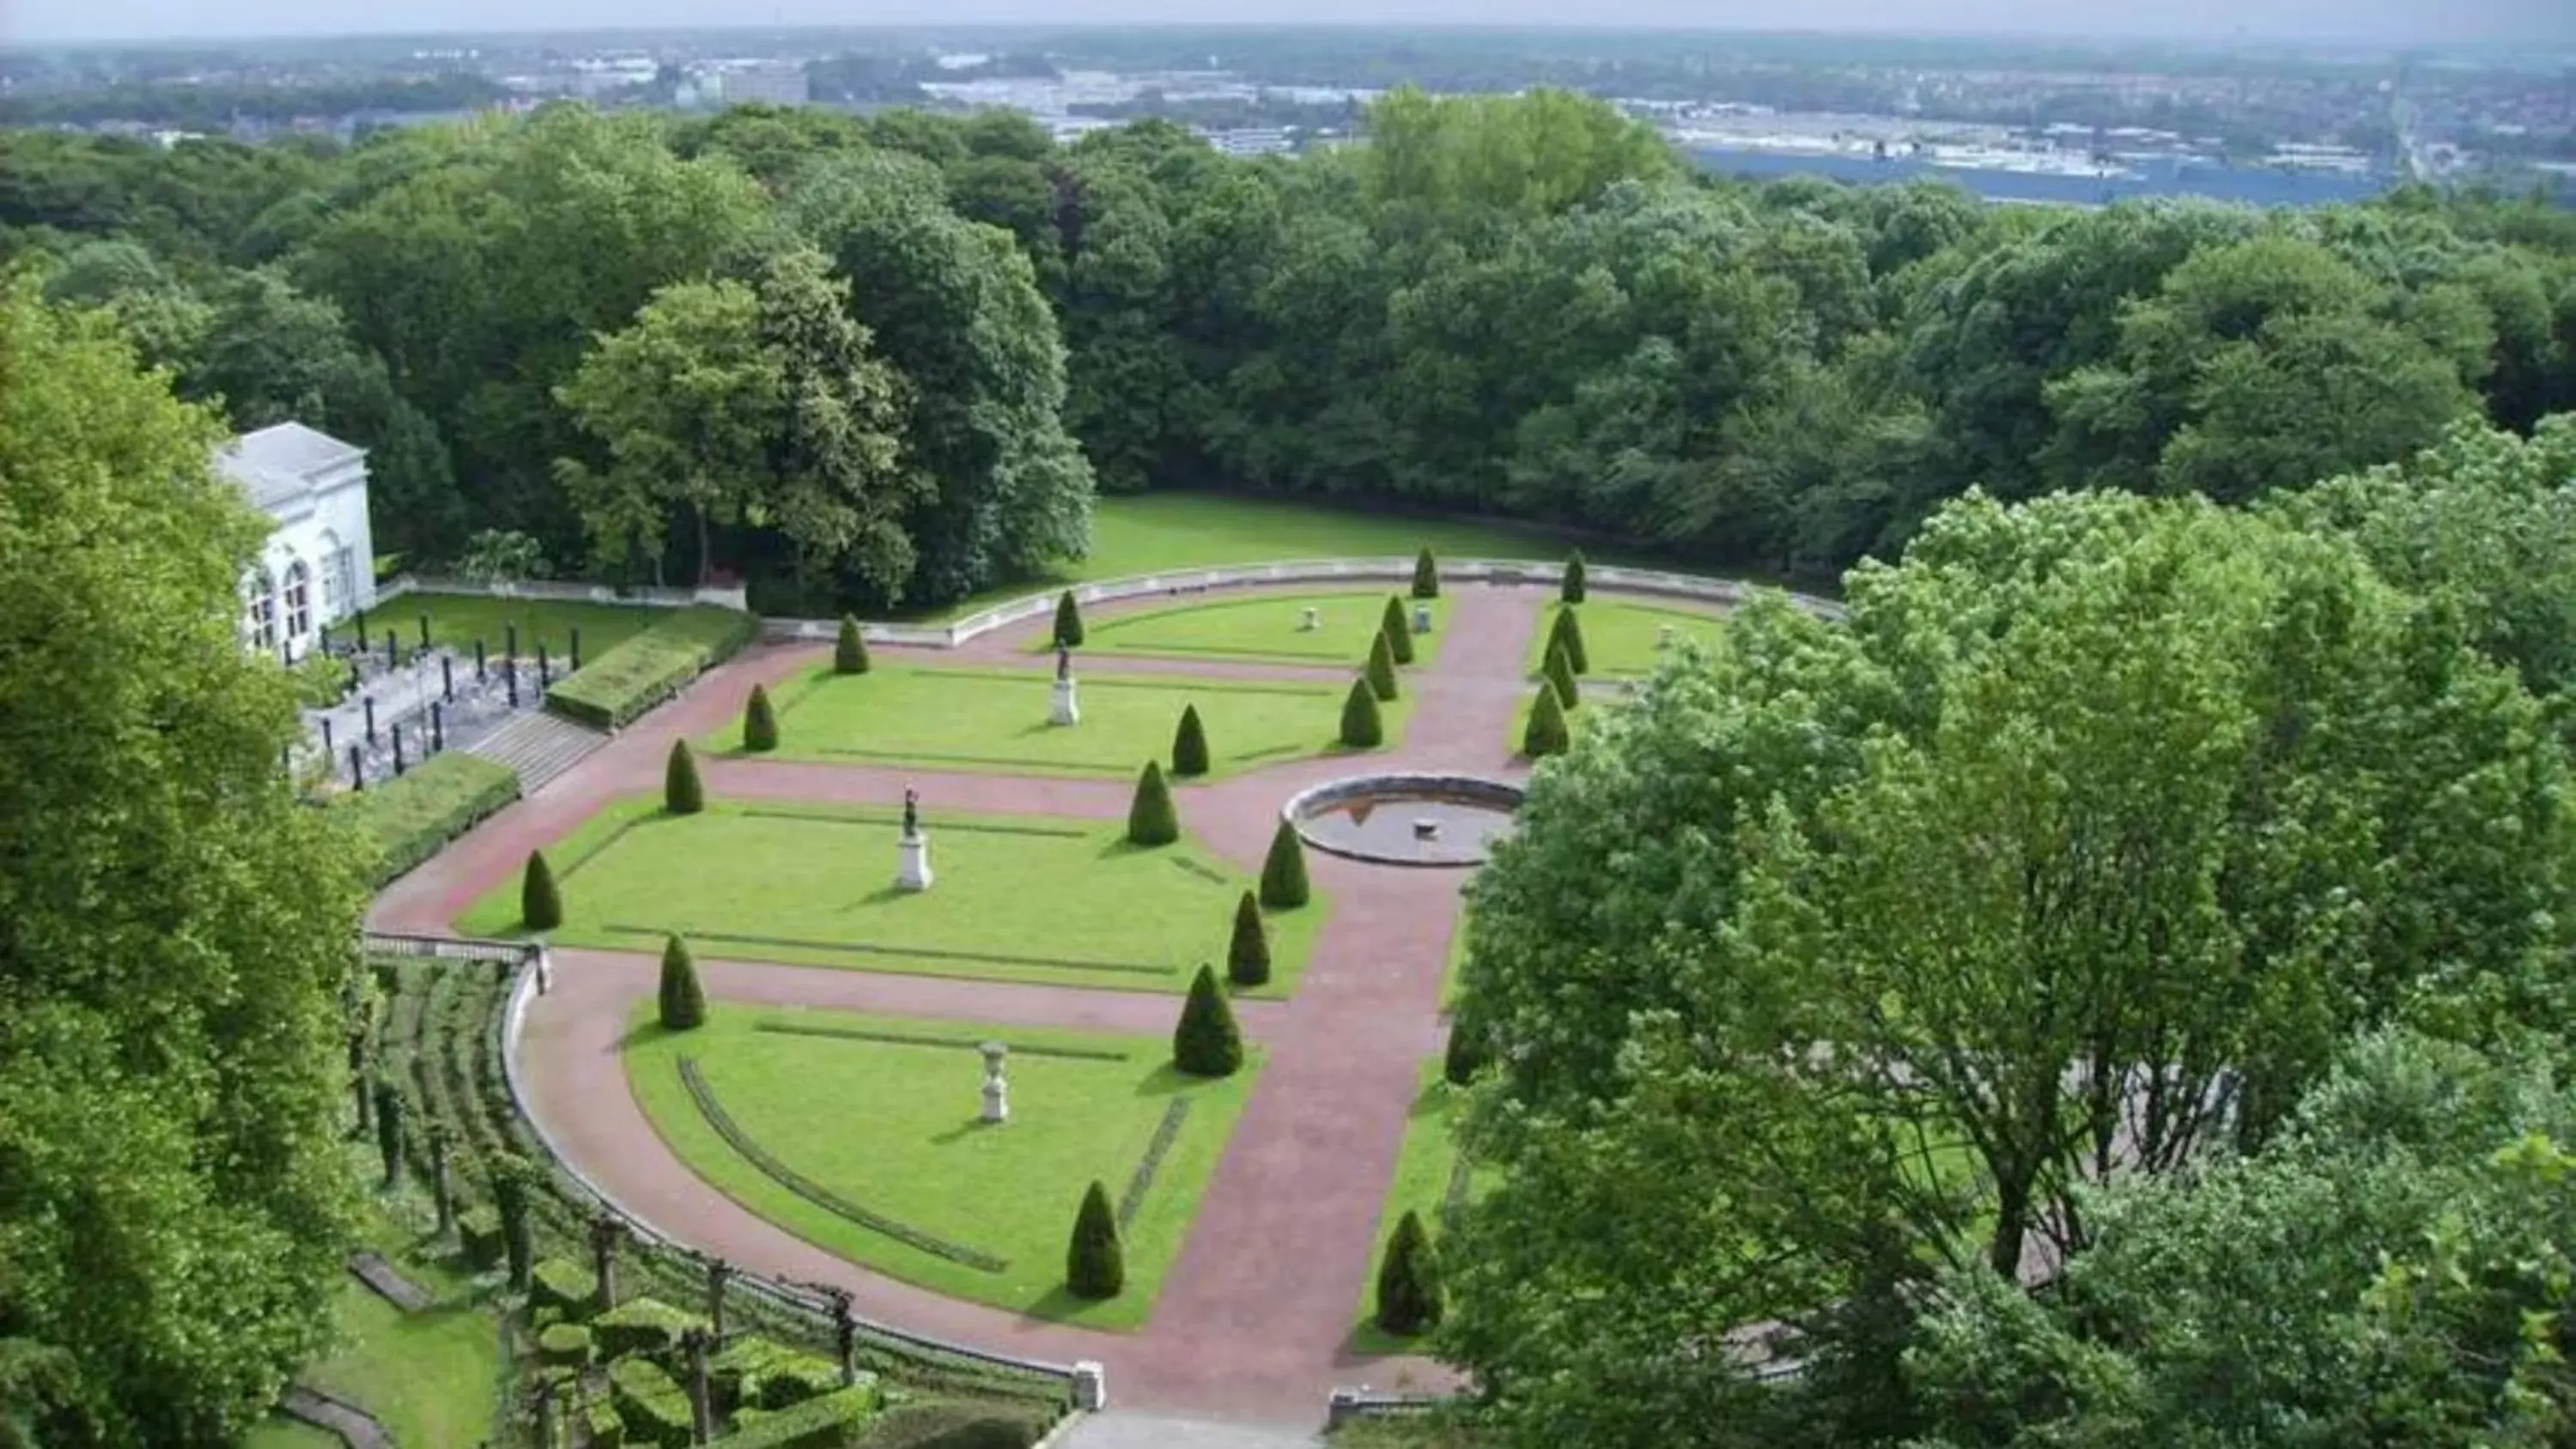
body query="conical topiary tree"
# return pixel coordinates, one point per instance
(1381, 666)
(389, 1130)
(1567, 634)
(1571, 591)
(1247, 956)
(1189, 744)
(850, 654)
(1151, 820)
(759, 723)
(1362, 727)
(1426, 576)
(1408, 1282)
(1283, 873)
(1545, 734)
(1068, 621)
(1560, 672)
(683, 1001)
(1399, 635)
(540, 904)
(1095, 1266)
(1207, 1043)
(682, 794)
(1465, 1055)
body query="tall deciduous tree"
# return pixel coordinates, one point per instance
(178, 929)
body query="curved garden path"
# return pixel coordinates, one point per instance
(1254, 1316)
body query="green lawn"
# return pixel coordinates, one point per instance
(1061, 902)
(1619, 635)
(1424, 1169)
(279, 1432)
(457, 620)
(1264, 629)
(995, 720)
(890, 1127)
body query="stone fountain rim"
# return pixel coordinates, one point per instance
(1475, 789)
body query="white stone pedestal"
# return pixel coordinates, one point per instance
(912, 872)
(1309, 620)
(1065, 711)
(997, 1101)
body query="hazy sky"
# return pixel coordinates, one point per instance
(2457, 21)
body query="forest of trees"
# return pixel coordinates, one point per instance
(1527, 307)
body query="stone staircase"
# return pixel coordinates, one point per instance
(539, 746)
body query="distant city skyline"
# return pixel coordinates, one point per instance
(2382, 22)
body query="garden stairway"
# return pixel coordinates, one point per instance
(539, 746)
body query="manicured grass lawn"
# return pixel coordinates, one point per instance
(1619, 634)
(1264, 629)
(280, 1432)
(1424, 1172)
(995, 721)
(457, 620)
(890, 1127)
(1062, 902)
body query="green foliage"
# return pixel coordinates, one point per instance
(954, 1426)
(1399, 634)
(1571, 591)
(760, 1373)
(1206, 1042)
(1283, 870)
(817, 1423)
(564, 1286)
(1567, 634)
(615, 689)
(682, 793)
(177, 927)
(1068, 622)
(1151, 817)
(567, 1344)
(1408, 1281)
(1559, 676)
(478, 1232)
(1247, 953)
(850, 651)
(759, 722)
(510, 1177)
(407, 820)
(641, 1327)
(1546, 732)
(1464, 1055)
(1362, 727)
(540, 903)
(1095, 1266)
(650, 1403)
(1426, 576)
(682, 1001)
(389, 1129)
(1189, 744)
(1381, 666)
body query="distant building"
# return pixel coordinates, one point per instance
(768, 85)
(319, 565)
(1252, 142)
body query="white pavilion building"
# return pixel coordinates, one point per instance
(319, 566)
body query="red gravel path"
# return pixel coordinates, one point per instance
(1253, 1319)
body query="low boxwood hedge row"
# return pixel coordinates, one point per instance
(410, 817)
(831, 1419)
(611, 691)
(653, 1406)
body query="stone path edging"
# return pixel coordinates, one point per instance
(353, 1426)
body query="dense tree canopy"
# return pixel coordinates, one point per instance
(178, 930)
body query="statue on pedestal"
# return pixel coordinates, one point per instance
(1064, 710)
(911, 813)
(997, 1104)
(912, 852)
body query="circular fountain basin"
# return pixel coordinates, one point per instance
(1435, 820)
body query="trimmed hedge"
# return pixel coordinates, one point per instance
(1362, 727)
(1464, 1056)
(813, 1424)
(1207, 1042)
(1399, 634)
(1247, 956)
(644, 1325)
(1189, 744)
(610, 692)
(953, 1426)
(1567, 634)
(1560, 673)
(1381, 666)
(850, 651)
(561, 1283)
(1095, 1266)
(1068, 622)
(759, 723)
(760, 1373)
(1151, 818)
(652, 1405)
(682, 792)
(410, 819)
(1572, 590)
(1408, 1282)
(478, 1229)
(565, 1343)
(1283, 872)
(1546, 733)
(1426, 576)
(682, 1000)
(540, 901)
